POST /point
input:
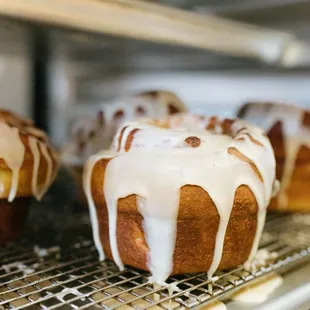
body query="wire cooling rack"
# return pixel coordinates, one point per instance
(71, 277)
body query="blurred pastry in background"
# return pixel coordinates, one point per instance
(28, 166)
(182, 194)
(91, 134)
(288, 128)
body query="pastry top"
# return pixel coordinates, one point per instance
(90, 134)
(294, 127)
(154, 159)
(28, 163)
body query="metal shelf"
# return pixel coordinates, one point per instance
(157, 23)
(72, 278)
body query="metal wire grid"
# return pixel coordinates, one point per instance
(72, 278)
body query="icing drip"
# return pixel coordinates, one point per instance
(260, 225)
(294, 133)
(258, 292)
(161, 163)
(12, 151)
(66, 291)
(263, 256)
(19, 266)
(161, 254)
(92, 209)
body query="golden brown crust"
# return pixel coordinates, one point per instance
(298, 189)
(130, 139)
(25, 172)
(197, 227)
(14, 120)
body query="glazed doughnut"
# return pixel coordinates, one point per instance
(91, 134)
(288, 128)
(181, 194)
(28, 166)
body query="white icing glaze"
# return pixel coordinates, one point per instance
(12, 151)
(95, 136)
(259, 291)
(42, 252)
(262, 257)
(20, 267)
(294, 133)
(66, 291)
(159, 163)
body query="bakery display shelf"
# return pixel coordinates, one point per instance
(71, 277)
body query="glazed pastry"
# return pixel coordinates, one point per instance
(182, 194)
(92, 134)
(288, 128)
(28, 166)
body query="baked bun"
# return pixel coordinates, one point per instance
(180, 195)
(91, 134)
(288, 128)
(28, 166)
